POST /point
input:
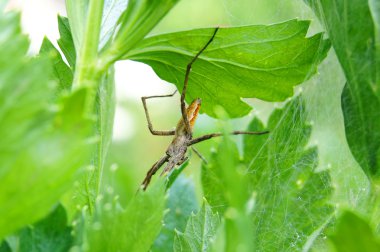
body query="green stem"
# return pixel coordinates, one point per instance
(87, 74)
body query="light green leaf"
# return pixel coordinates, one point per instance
(41, 146)
(49, 234)
(89, 185)
(181, 203)
(105, 104)
(65, 41)
(226, 185)
(354, 234)
(111, 14)
(354, 32)
(140, 17)
(220, 176)
(200, 231)
(259, 61)
(77, 14)
(135, 228)
(61, 72)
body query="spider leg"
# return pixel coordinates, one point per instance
(150, 126)
(153, 171)
(199, 155)
(170, 166)
(209, 136)
(188, 70)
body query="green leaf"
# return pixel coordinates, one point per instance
(133, 229)
(137, 20)
(200, 231)
(65, 41)
(219, 178)
(49, 234)
(354, 234)
(291, 198)
(88, 185)
(4, 247)
(61, 72)
(286, 198)
(41, 148)
(113, 9)
(226, 185)
(354, 32)
(259, 61)
(77, 14)
(176, 172)
(181, 203)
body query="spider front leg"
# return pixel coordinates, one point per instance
(150, 126)
(188, 70)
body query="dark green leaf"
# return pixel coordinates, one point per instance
(181, 203)
(176, 172)
(4, 247)
(199, 233)
(49, 234)
(259, 61)
(61, 72)
(353, 234)
(354, 34)
(66, 42)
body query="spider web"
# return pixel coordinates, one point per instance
(321, 110)
(322, 94)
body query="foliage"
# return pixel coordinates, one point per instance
(356, 43)
(278, 186)
(267, 194)
(354, 234)
(357, 48)
(49, 234)
(199, 232)
(143, 215)
(181, 203)
(42, 146)
(267, 65)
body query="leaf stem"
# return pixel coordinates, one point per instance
(87, 75)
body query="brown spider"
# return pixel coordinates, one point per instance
(183, 135)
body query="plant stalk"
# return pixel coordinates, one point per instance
(87, 75)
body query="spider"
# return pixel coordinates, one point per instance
(183, 134)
